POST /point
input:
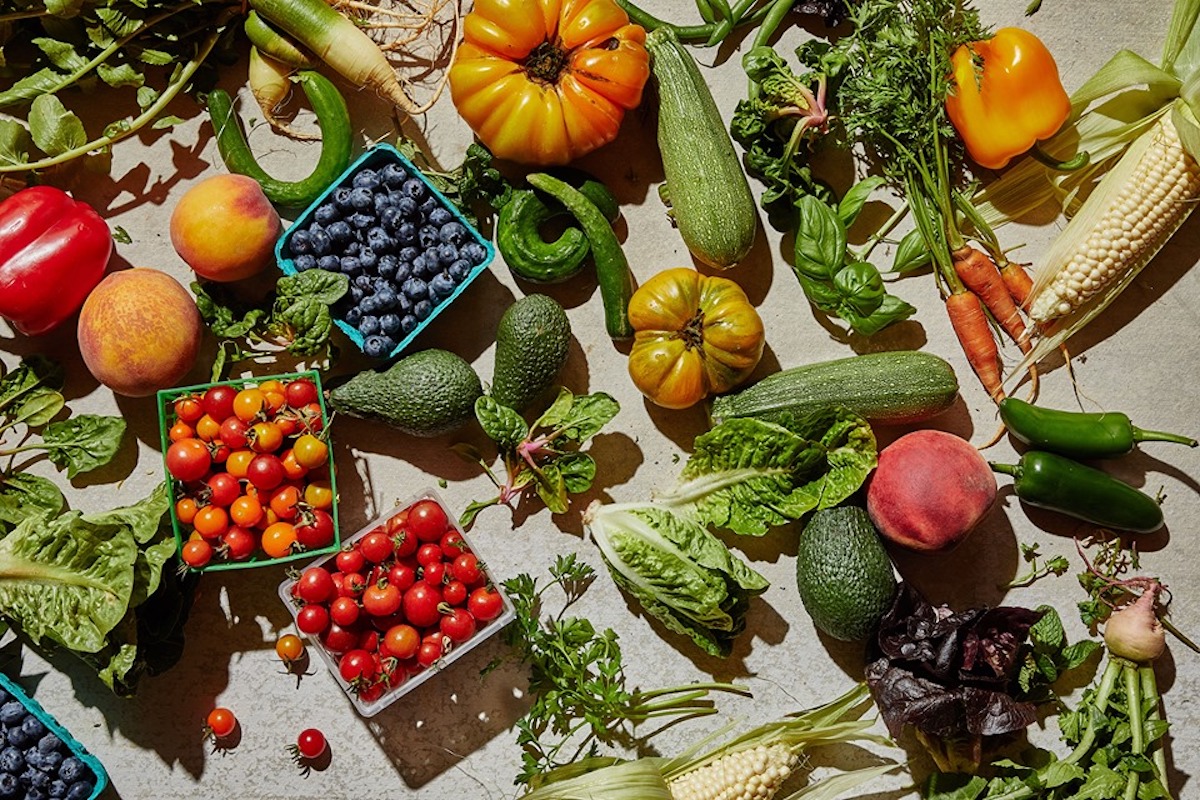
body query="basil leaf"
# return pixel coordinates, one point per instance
(911, 253)
(820, 239)
(84, 442)
(856, 197)
(503, 425)
(23, 495)
(54, 129)
(892, 309)
(820, 293)
(860, 286)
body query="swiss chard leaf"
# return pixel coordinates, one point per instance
(503, 425)
(578, 419)
(84, 442)
(23, 495)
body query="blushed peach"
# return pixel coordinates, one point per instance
(225, 228)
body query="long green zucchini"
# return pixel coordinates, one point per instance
(708, 192)
(892, 388)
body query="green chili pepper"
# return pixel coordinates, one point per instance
(1078, 434)
(519, 234)
(337, 142)
(1051, 481)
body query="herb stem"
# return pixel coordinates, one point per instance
(1150, 693)
(864, 253)
(1111, 673)
(712, 686)
(30, 14)
(1133, 703)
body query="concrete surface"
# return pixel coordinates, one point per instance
(453, 738)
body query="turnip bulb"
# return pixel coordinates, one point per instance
(1134, 631)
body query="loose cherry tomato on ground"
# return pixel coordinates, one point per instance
(301, 392)
(455, 593)
(265, 471)
(350, 560)
(185, 510)
(465, 568)
(485, 604)
(376, 546)
(357, 667)
(238, 543)
(420, 605)
(211, 522)
(434, 574)
(338, 639)
(459, 625)
(429, 554)
(310, 744)
(402, 641)
(315, 585)
(265, 437)
(318, 494)
(452, 544)
(234, 432)
(285, 502)
(218, 401)
(238, 463)
(277, 539)
(220, 723)
(344, 611)
(427, 520)
(311, 451)
(246, 511)
(314, 530)
(196, 553)
(188, 460)
(223, 489)
(289, 648)
(312, 619)
(291, 467)
(381, 599)
(181, 430)
(247, 404)
(208, 428)
(188, 409)
(402, 575)
(429, 652)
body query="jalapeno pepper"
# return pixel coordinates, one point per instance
(1051, 481)
(1078, 434)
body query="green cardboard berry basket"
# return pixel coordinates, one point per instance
(166, 400)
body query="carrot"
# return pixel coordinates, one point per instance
(1018, 282)
(975, 335)
(979, 274)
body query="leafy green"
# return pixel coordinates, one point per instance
(748, 475)
(1057, 565)
(683, 575)
(544, 455)
(23, 495)
(475, 186)
(84, 442)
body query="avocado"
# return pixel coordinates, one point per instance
(425, 394)
(531, 348)
(844, 574)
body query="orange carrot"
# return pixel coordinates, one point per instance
(979, 274)
(1018, 282)
(975, 335)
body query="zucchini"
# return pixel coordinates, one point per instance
(707, 190)
(892, 388)
(519, 234)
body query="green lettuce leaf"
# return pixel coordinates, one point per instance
(683, 575)
(23, 495)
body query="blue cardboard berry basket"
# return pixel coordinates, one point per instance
(78, 750)
(377, 158)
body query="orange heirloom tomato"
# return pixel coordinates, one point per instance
(547, 81)
(694, 336)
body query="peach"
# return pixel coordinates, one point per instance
(139, 331)
(225, 228)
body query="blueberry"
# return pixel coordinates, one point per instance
(453, 232)
(36, 793)
(4, 697)
(327, 213)
(50, 743)
(440, 216)
(380, 240)
(381, 203)
(406, 234)
(12, 712)
(364, 282)
(425, 267)
(403, 304)
(17, 736)
(365, 179)
(408, 324)
(422, 309)
(459, 270)
(300, 243)
(35, 778)
(390, 218)
(386, 297)
(368, 305)
(305, 262)
(33, 758)
(354, 315)
(9, 785)
(330, 263)
(407, 206)
(51, 761)
(341, 232)
(473, 252)
(57, 788)
(408, 253)
(341, 199)
(393, 175)
(368, 259)
(404, 271)
(442, 285)
(350, 265)
(389, 324)
(427, 236)
(79, 790)
(428, 207)
(415, 289)
(351, 249)
(361, 221)
(322, 244)
(72, 770)
(387, 266)
(356, 295)
(11, 760)
(378, 346)
(415, 189)
(368, 325)
(447, 254)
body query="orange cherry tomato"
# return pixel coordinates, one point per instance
(180, 431)
(196, 553)
(291, 467)
(211, 522)
(285, 502)
(272, 385)
(274, 400)
(265, 437)
(188, 409)
(238, 463)
(248, 403)
(246, 511)
(310, 451)
(318, 494)
(278, 539)
(207, 428)
(185, 510)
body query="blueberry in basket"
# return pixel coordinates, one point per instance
(405, 250)
(35, 762)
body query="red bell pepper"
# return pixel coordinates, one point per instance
(53, 252)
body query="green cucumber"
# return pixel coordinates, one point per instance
(892, 388)
(519, 236)
(707, 189)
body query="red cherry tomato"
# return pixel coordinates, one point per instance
(429, 554)
(455, 593)
(344, 611)
(300, 393)
(427, 520)
(238, 543)
(402, 641)
(311, 744)
(429, 652)
(404, 542)
(357, 667)
(234, 432)
(315, 530)
(188, 409)
(453, 544)
(223, 489)
(196, 553)
(265, 471)
(376, 546)
(466, 569)
(420, 605)
(434, 574)
(338, 639)
(381, 599)
(485, 604)
(350, 560)
(402, 575)
(313, 619)
(315, 585)
(188, 459)
(459, 625)
(218, 401)
(220, 723)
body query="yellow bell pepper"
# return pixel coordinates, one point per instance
(1006, 96)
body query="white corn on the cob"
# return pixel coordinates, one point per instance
(1121, 227)
(752, 774)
